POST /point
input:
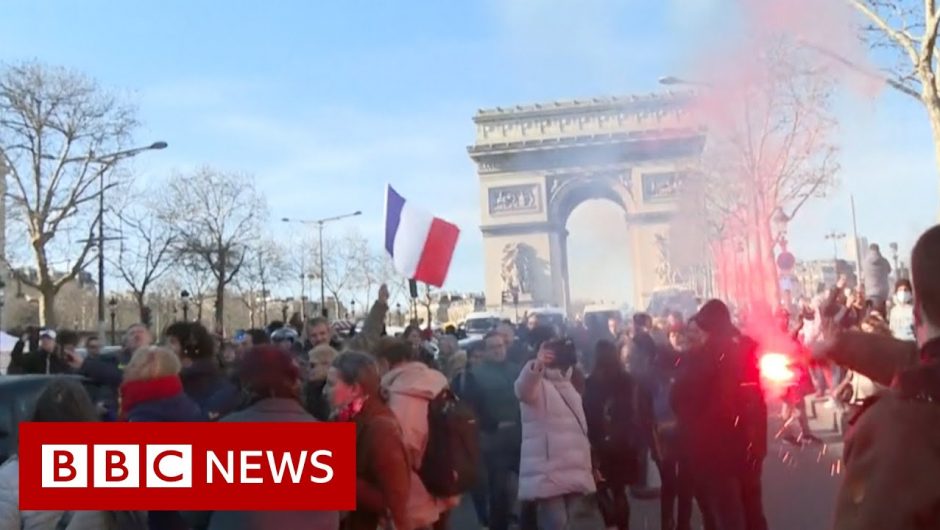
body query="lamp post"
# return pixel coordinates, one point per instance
(284, 309)
(108, 159)
(320, 223)
(3, 300)
(835, 237)
(894, 258)
(184, 296)
(112, 306)
(352, 304)
(398, 310)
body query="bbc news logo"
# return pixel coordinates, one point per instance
(187, 466)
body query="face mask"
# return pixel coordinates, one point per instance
(903, 297)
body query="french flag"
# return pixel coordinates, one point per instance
(420, 244)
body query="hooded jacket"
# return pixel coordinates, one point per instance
(892, 455)
(556, 453)
(410, 387)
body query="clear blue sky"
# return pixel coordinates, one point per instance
(325, 102)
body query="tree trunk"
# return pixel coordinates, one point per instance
(220, 293)
(47, 317)
(933, 112)
(140, 307)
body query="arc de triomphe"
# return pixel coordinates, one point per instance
(537, 163)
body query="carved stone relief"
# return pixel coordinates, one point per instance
(515, 199)
(661, 186)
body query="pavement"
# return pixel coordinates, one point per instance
(800, 482)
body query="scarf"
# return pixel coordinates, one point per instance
(134, 393)
(351, 410)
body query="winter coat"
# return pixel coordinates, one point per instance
(36, 362)
(106, 370)
(878, 357)
(492, 394)
(609, 410)
(206, 384)
(892, 455)
(409, 388)
(556, 453)
(177, 408)
(719, 405)
(266, 410)
(902, 321)
(875, 273)
(11, 518)
(383, 474)
(315, 401)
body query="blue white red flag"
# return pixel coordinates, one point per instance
(421, 245)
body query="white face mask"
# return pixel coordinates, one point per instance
(903, 297)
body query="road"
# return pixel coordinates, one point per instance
(800, 485)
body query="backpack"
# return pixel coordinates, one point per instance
(452, 455)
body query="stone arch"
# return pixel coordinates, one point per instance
(537, 163)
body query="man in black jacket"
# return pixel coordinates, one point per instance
(722, 415)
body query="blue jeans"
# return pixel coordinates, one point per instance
(569, 511)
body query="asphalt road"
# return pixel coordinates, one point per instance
(800, 485)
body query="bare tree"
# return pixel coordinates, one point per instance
(340, 257)
(770, 150)
(265, 268)
(216, 216)
(54, 126)
(147, 250)
(908, 29)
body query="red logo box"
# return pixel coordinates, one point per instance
(187, 466)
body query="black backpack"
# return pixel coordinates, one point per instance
(452, 456)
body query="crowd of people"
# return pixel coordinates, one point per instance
(562, 421)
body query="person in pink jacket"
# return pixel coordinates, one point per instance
(409, 385)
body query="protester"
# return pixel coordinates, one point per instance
(609, 410)
(464, 385)
(412, 335)
(202, 376)
(875, 272)
(447, 348)
(93, 346)
(62, 400)
(723, 420)
(902, 312)
(315, 400)
(319, 331)
(107, 370)
(152, 389)
(410, 386)
(271, 379)
(555, 464)
(47, 359)
(382, 467)
(493, 397)
(891, 453)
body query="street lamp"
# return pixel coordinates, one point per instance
(352, 303)
(112, 305)
(108, 160)
(320, 223)
(184, 296)
(894, 258)
(398, 310)
(673, 80)
(284, 308)
(835, 237)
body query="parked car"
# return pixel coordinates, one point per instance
(18, 395)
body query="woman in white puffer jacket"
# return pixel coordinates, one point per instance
(63, 399)
(555, 467)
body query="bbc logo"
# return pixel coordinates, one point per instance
(117, 466)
